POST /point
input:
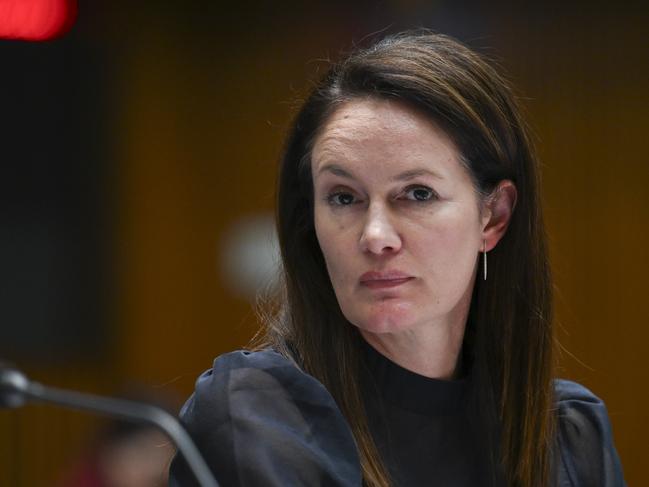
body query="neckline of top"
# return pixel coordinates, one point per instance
(409, 390)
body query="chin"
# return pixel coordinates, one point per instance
(385, 318)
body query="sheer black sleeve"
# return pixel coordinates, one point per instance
(260, 421)
(587, 454)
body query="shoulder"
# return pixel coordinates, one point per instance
(586, 447)
(241, 376)
(581, 412)
(260, 420)
(582, 415)
(242, 370)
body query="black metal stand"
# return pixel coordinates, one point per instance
(16, 390)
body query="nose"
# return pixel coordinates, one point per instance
(379, 235)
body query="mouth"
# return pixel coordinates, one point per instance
(382, 280)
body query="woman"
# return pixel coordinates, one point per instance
(414, 342)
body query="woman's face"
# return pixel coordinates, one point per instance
(397, 218)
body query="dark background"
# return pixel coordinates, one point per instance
(131, 146)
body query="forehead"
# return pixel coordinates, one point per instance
(381, 131)
(382, 114)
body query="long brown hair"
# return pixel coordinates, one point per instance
(508, 339)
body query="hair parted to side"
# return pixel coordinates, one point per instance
(508, 339)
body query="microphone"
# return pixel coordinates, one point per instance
(16, 390)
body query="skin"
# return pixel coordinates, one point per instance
(392, 199)
(140, 460)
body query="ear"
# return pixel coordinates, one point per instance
(497, 211)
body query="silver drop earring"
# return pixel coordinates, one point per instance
(484, 260)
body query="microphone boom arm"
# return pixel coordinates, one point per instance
(16, 390)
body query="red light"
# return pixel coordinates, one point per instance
(36, 20)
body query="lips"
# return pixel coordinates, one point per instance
(385, 279)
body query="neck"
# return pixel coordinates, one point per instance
(432, 351)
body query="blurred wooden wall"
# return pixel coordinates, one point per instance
(201, 112)
(585, 74)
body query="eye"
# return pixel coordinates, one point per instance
(341, 198)
(419, 193)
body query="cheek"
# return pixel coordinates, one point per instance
(334, 246)
(450, 244)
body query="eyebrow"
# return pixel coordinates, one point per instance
(404, 176)
(415, 173)
(337, 170)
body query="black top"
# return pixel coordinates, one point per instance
(261, 421)
(421, 426)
